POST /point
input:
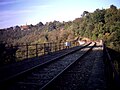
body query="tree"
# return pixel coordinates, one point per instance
(98, 16)
(113, 7)
(85, 13)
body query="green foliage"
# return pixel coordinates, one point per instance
(101, 24)
(94, 37)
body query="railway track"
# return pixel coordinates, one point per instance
(40, 77)
(15, 70)
(82, 75)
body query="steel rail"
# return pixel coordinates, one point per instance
(64, 70)
(11, 79)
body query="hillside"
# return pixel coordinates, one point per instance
(101, 24)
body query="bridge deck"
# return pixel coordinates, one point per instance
(96, 80)
(12, 69)
(88, 74)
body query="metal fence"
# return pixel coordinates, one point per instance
(35, 50)
(112, 76)
(10, 53)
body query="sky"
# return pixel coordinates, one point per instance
(20, 12)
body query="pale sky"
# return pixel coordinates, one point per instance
(20, 12)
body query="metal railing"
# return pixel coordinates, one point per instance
(10, 53)
(35, 50)
(112, 76)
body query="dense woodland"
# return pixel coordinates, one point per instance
(101, 24)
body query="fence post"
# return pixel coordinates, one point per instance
(36, 50)
(63, 46)
(27, 51)
(44, 48)
(75, 44)
(55, 46)
(50, 47)
(59, 46)
(70, 44)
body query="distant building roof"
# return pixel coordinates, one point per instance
(25, 27)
